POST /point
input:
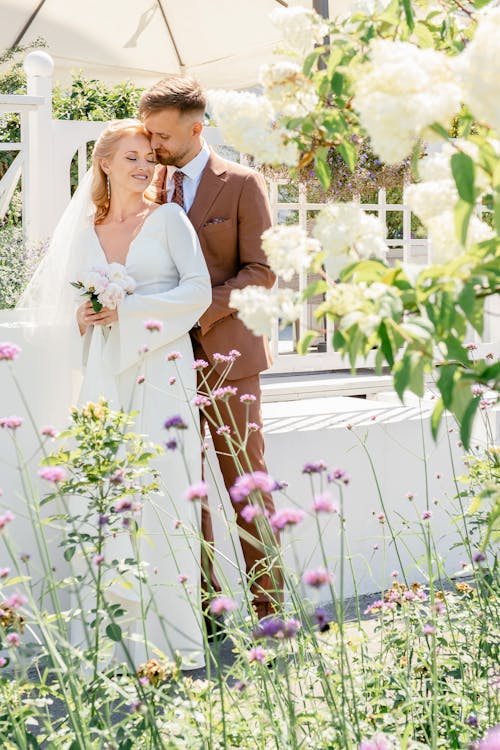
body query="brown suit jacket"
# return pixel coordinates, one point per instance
(229, 213)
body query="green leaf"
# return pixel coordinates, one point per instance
(492, 372)
(462, 214)
(69, 553)
(456, 351)
(306, 341)
(348, 153)
(114, 632)
(337, 83)
(463, 169)
(96, 305)
(322, 167)
(446, 382)
(467, 421)
(385, 344)
(408, 13)
(309, 62)
(436, 416)
(401, 374)
(424, 35)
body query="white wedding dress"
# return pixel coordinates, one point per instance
(173, 286)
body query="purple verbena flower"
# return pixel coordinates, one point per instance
(248, 483)
(247, 398)
(175, 421)
(15, 601)
(53, 474)
(321, 618)
(98, 559)
(197, 491)
(224, 392)
(171, 356)
(286, 517)
(153, 325)
(9, 352)
(48, 431)
(250, 512)
(5, 519)
(314, 467)
(11, 423)
(13, 639)
(222, 604)
(492, 739)
(324, 503)
(257, 653)
(201, 400)
(199, 364)
(171, 445)
(317, 578)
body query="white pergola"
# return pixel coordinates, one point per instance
(219, 42)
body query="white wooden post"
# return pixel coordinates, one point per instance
(38, 153)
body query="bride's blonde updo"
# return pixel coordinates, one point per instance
(104, 148)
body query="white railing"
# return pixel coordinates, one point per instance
(46, 153)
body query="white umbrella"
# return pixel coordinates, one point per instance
(220, 42)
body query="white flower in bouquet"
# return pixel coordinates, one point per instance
(112, 296)
(477, 67)
(401, 91)
(117, 273)
(290, 92)
(248, 123)
(347, 232)
(105, 285)
(301, 28)
(259, 307)
(289, 250)
(445, 244)
(93, 281)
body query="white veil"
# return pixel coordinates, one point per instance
(48, 304)
(49, 299)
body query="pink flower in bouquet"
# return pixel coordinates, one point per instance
(111, 296)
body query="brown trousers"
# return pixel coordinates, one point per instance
(267, 585)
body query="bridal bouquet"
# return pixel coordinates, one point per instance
(105, 285)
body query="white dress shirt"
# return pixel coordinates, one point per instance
(192, 176)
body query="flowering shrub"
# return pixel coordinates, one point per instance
(400, 75)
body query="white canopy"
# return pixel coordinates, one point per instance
(220, 42)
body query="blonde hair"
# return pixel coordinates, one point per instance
(104, 148)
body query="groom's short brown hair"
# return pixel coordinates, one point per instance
(173, 92)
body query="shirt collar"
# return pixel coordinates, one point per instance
(195, 167)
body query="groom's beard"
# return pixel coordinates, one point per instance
(167, 158)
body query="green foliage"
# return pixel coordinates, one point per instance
(18, 261)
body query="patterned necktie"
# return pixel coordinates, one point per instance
(178, 194)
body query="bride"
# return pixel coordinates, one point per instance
(122, 353)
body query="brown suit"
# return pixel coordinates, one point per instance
(230, 212)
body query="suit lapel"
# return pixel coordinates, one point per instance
(211, 183)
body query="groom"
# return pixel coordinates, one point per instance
(229, 209)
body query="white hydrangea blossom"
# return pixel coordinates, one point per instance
(348, 233)
(400, 92)
(288, 249)
(445, 244)
(301, 28)
(363, 305)
(248, 123)
(259, 307)
(290, 92)
(433, 201)
(478, 69)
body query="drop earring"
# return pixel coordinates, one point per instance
(108, 187)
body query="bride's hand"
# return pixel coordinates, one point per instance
(86, 316)
(82, 313)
